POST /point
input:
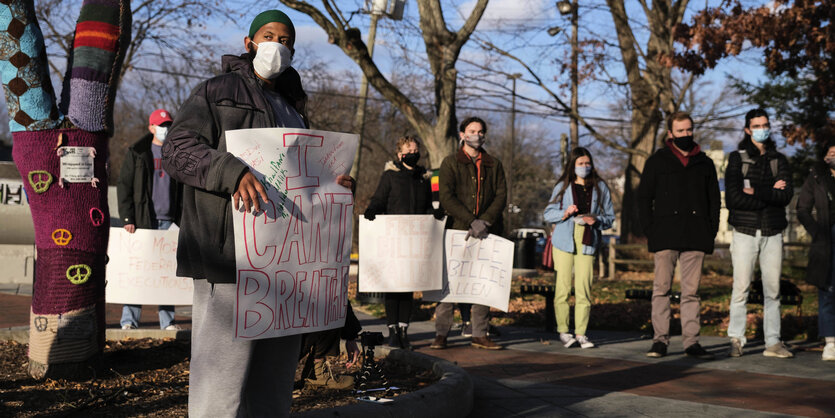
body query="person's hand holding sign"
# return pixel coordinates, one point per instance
(249, 188)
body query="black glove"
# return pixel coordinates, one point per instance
(439, 214)
(370, 214)
(478, 229)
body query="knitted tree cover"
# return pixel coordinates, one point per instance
(71, 218)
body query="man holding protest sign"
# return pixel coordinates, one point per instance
(258, 89)
(148, 199)
(473, 192)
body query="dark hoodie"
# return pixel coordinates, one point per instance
(194, 153)
(765, 210)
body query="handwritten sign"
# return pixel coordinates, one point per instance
(77, 164)
(400, 253)
(292, 259)
(143, 268)
(476, 271)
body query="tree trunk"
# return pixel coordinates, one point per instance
(72, 221)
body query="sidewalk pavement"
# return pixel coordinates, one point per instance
(535, 376)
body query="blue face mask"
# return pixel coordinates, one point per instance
(760, 135)
(582, 171)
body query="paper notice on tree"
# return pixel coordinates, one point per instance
(292, 259)
(143, 268)
(400, 253)
(475, 271)
(77, 164)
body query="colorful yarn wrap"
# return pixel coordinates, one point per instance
(94, 67)
(24, 70)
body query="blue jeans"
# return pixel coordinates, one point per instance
(745, 250)
(132, 313)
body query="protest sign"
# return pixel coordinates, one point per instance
(292, 258)
(143, 268)
(476, 270)
(400, 253)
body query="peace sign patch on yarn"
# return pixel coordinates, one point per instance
(61, 237)
(79, 273)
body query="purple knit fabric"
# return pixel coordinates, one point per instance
(54, 294)
(68, 207)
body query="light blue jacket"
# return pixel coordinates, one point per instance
(563, 236)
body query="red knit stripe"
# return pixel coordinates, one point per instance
(96, 34)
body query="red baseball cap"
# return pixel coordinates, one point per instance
(159, 117)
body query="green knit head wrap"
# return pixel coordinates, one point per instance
(271, 16)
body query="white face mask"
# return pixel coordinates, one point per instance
(160, 132)
(271, 59)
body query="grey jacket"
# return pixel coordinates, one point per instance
(194, 153)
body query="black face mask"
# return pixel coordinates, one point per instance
(410, 159)
(685, 143)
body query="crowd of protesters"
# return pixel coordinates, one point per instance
(678, 201)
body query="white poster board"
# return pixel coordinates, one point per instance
(292, 259)
(143, 268)
(476, 270)
(400, 253)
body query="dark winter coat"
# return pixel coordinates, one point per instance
(402, 191)
(457, 182)
(135, 187)
(766, 208)
(813, 213)
(678, 205)
(194, 153)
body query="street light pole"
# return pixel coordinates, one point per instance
(573, 129)
(359, 120)
(510, 206)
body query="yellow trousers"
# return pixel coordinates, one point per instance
(583, 268)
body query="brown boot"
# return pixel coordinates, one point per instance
(325, 377)
(439, 343)
(485, 342)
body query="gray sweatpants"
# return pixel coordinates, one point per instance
(230, 378)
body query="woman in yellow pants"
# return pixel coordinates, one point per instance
(580, 208)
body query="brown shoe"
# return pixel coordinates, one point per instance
(439, 343)
(485, 342)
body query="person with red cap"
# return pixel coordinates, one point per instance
(148, 198)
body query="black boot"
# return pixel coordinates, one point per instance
(404, 337)
(394, 336)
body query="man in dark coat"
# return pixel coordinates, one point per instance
(473, 192)
(757, 190)
(678, 202)
(258, 89)
(148, 199)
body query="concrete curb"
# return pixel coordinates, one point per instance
(452, 396)
(21, 334)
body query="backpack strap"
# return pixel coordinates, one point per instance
(746, 161)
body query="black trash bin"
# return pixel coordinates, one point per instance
(525, 254)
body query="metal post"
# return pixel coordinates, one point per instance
(510, 206)
(359, 120)
(575, 134)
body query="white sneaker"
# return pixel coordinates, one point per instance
(567, 339)
(829, 352)
(128, 326)
(173, 327)
(584, 342)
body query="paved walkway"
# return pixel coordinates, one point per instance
(536, 376)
